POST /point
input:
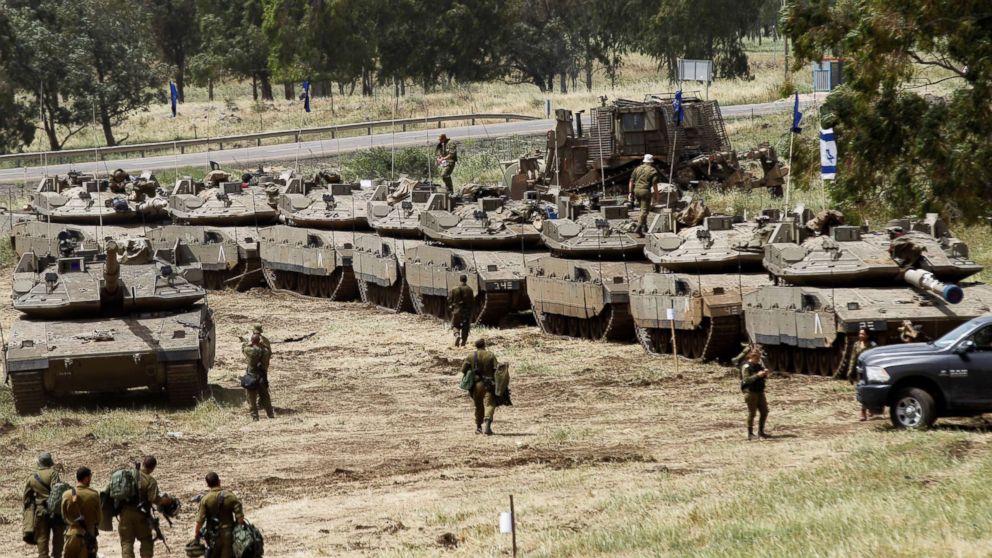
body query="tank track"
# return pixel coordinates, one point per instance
(184, 383)
(218, 280)
(713, 340)
(395, 298)
(28, 390)
(339, 286)
(613, 324)
(490, 308)
(829, 362)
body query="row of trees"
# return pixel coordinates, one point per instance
(68, 64)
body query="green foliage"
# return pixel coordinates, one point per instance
(175, 37)
(897, 146)
(379, 162)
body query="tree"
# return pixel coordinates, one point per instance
(232, 35)
(176, 37)
(897, 145)
(16, 129)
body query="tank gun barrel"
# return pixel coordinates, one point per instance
(928, 282)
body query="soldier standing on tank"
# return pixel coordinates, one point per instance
(219, 511)
(753, 375)
(133, 524)
(860, 346)
(642, 188)
(82, 514)
(256, 381)
(446, 154)
(461, 303)
(38, 487)
(483, 391)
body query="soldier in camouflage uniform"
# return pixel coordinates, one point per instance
(38, 487)
(83, 514)
(483, 393)
(860, 346)
(219, 511)
(461, 304)
(642, 189)
(753, 375)
(266, 344)
(257, 357)
(447, 155)
(133, 522)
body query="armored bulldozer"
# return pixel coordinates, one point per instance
(85, 199)
(379, 264)
(216, 201)
(228, 255)
(309, 262)
(721, 244)
(606, 232)
(700, 314)
(335, 205)
(497, 278)
(582, 298)
(492, 223)
(102, 324)
(395, 211)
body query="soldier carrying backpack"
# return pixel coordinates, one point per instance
(220, 510)
(136, 497)
(42, 523)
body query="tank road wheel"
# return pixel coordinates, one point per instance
(800, 359)
(316, 288)
(28, 390)
(913, 408)
(182, 383)
(824, 359)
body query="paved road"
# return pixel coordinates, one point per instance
(244, 157)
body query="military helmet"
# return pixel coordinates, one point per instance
(45, 459)
(195, 549)
(257, 328)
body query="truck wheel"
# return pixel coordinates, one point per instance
(913, 408)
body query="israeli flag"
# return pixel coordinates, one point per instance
(828, 154)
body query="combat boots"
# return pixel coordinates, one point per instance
(750, 434)
(478, 428)
(639, 231)
(762, 435)
(489, 427)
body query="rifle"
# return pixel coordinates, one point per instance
(145, 507)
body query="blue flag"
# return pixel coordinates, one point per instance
(796, 116)
(174, 96)
(679, 111)
(828, 154)
(306, 95)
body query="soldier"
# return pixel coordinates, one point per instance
(909, 333)
(447, 155)
(483, 391)
(753, 376)
(219, 510)
(256, 379)
(83, 514)
(461, 302)
(266, 344)
(860, 346)
(39, 486)
(135, 516)
(643, 187)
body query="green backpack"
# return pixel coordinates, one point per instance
(54, 502)
(123, 486)
(248, 542)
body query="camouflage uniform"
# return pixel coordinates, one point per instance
(461, 303)
(852, 365)
(133, 523)
(82, 517)
(219, 511)
(645, 178)
(754, 397)
(483, 392)
(46, 529)
(448, 150)
(257, 357)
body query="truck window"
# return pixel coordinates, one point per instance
(983, 339)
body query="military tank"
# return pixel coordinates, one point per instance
(309, 262)
(809, 322)
(497, 278)
(51, 239)
(217, 201)
(335, 205)
(229, 256)
(583, 298)
(379, 264)
(605, 232)
(721, 244)
(85, 199)
(487, 223)
(100, 324)
(395, 210)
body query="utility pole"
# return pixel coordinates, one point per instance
(785, 44)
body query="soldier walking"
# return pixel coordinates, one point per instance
(219, 511)
(39, 486)
(135, 515)
(753, 375)
(461, 304)
(446, 154)
(82, 514)
(256, 379)
(482, 365)
(641, 189)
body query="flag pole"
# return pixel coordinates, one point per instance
(788, 177)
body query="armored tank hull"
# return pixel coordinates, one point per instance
(811, 330)
(396, 213)
(309, 262)
(226, 204)
(229, 256)
(583, 298)
(702, 312)
(166, 352)
(336, 207)
(379, 264)
(489, 223)
(497, 278)
(607, 233)
(719, 245)
(43, 238)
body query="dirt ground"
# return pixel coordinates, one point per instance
(373, 451)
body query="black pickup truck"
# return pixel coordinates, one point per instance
(919, 382)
